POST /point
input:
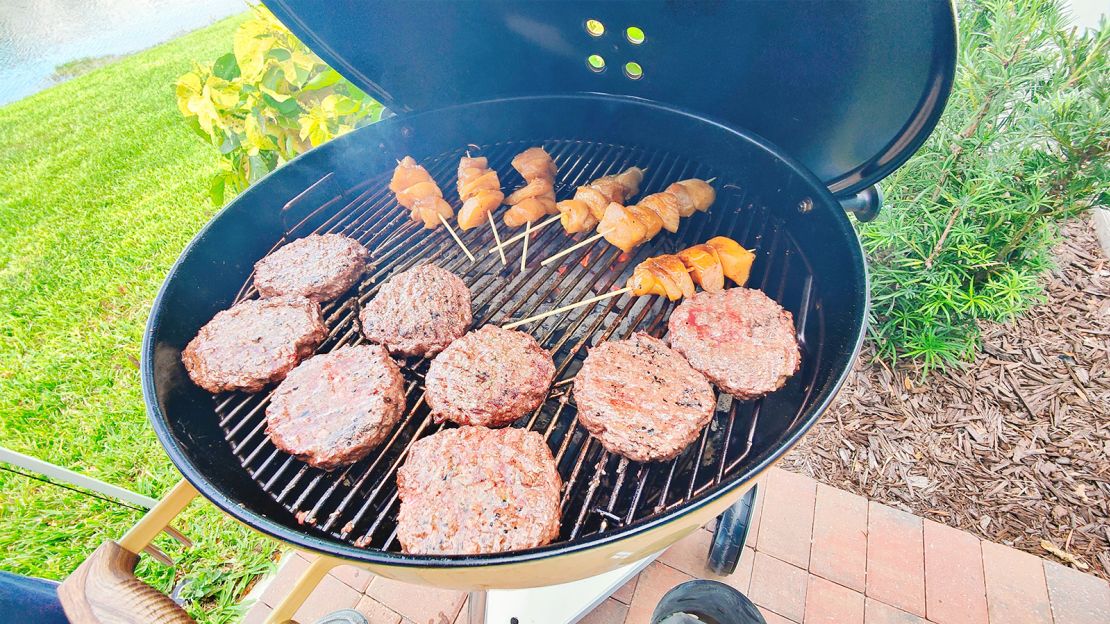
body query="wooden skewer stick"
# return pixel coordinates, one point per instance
(496, 237)
(566, 251)
(456, 237)
(570, 306)
(509, 241)
(524, 256)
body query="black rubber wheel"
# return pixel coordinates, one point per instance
(730, 535)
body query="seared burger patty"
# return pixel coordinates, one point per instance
(489, 377)
(418, 312)
(333, 409)
(641, 399)
(318, 267)
(474, 490)
(739, 338)
(254, 343)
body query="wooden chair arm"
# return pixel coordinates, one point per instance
(104, 590)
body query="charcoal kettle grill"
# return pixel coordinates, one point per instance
(796, 109)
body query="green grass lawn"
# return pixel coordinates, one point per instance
(102, 186)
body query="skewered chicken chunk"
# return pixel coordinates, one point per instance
(479, 190)
(692, 194)
(576, 216)
(417, 191)
(584, 212)
(536, 198)
(736, 262)
(656, 211)
(621, 228)
(674, 276)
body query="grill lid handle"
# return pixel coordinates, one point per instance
(851, 89)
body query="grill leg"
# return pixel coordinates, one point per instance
(310, 578)
(730, 535)
(476, 607)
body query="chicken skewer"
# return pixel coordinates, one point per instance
(674, 276)
(536, 198)
(480, 192)
(584, 211)
(417, 191)
(630, 226)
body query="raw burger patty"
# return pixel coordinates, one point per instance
(475, 490)
(739, 338)
(418, 312)
(489, 377)
(318, 267)
(255, 343)
(641, 399)
(336, 407)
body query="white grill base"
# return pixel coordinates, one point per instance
(554, 604)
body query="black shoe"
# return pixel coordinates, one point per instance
(705, 601)
(346, 616)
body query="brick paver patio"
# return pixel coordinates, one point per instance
(815, 555)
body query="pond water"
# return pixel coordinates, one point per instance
(36, 36)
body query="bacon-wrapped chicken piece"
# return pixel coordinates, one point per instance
(629, 226)
(674, 276)
(583, 213)
(662, 275)
(479, 190)
(705, 266)
(537, 197)
(417, 191)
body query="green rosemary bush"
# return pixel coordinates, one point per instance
(970, 219)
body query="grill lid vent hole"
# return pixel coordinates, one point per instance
(595, 62)
(595, 28)
(633, 71)
(634, 34)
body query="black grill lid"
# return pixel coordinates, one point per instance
(850, 88)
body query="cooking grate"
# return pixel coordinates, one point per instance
(358, 504)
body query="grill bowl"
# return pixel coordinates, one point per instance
(615, 511)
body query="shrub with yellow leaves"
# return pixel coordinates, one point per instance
(267, 101)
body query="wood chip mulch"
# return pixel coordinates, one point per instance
(1015, 447)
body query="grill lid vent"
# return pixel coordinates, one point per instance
(851, 89)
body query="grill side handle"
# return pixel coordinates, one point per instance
(103, 589)
(865, 205)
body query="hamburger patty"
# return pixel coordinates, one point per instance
(318, 267)
(739, 338)
(475, 490)
(418, 312)
(490, 376)
(641, 399)
(333, 409)
(254, 343)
